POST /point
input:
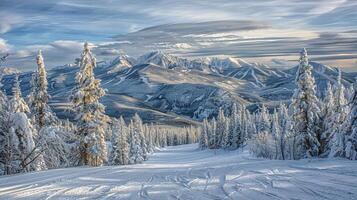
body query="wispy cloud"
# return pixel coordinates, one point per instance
(245, 28)
(4, 47)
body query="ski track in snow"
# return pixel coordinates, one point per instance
(183, 172)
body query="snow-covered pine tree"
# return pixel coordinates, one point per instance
(150, 138)
(45, 121)
(212, 142)
(243, 135)
(341, 100)
(17, 103)
(345, 142)
(7, 139)
(137, 154)
(276, 133)
(29, 157)
(340, 109)
(203, 142)
(285, 125)
(90, 116)
(263, 121)
(328, 114)
(249, 125)
(306, 111)
(261, 143)
(120, 143)
(221, 124)
(38, 98)
(234, 136)
(226, 140)
(138, 126)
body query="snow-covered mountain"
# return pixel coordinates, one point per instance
(9, 70)
(169, 89)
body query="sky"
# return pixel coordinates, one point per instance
(267, 31)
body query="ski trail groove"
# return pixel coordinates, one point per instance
(183, 172)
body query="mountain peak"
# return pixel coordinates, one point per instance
(123, 61)
(9, 71)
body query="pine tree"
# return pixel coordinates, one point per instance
(285, 130)
(276, 134)
(91, 119)
(138, 151)
(226, 140)
(28, 156)
(38, 98)
(7, 139)
(203, 142)
(120, 142)
(328, 115)
(263, 125)
(221, 124)
(17, 103)
(212, 134)
(306, 111)
(261, 143)
(345, 142)
(235, 132)
(340, 109)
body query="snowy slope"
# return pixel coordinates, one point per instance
(183, 172)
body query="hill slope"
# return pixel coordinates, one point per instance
(183, 172)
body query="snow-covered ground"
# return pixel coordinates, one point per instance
(183, 172)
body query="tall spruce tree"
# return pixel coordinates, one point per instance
(341, 111)
(38, 98)
(120, 142)
(306, 111)
(17, 102)
(91, 119)
(345, 142)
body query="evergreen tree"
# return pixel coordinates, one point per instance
(28, 156)
(212, 134)
(234, 137)
(328, 115)
(91, 119)
(276, 134)
(137, 150)
(38, 98)
(121, 146)
(263, 124)
(8, 140)
(345, 142)
(220, 127)
(261, 143)
(17, 103)
(226, 142)
(285, 130)
(306, 111)
(340, 112)
(203, 142)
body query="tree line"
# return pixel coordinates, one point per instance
(308, 127)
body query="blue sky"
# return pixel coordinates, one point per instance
(265, 31)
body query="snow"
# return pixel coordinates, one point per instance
(184, 172)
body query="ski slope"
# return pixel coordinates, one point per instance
(183, 172)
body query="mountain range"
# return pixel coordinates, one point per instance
(172, 90)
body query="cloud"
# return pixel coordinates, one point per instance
(110, 52)
(4, 47)
(252, 29)
(55, 53)
(67, 45)
(7, 20)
